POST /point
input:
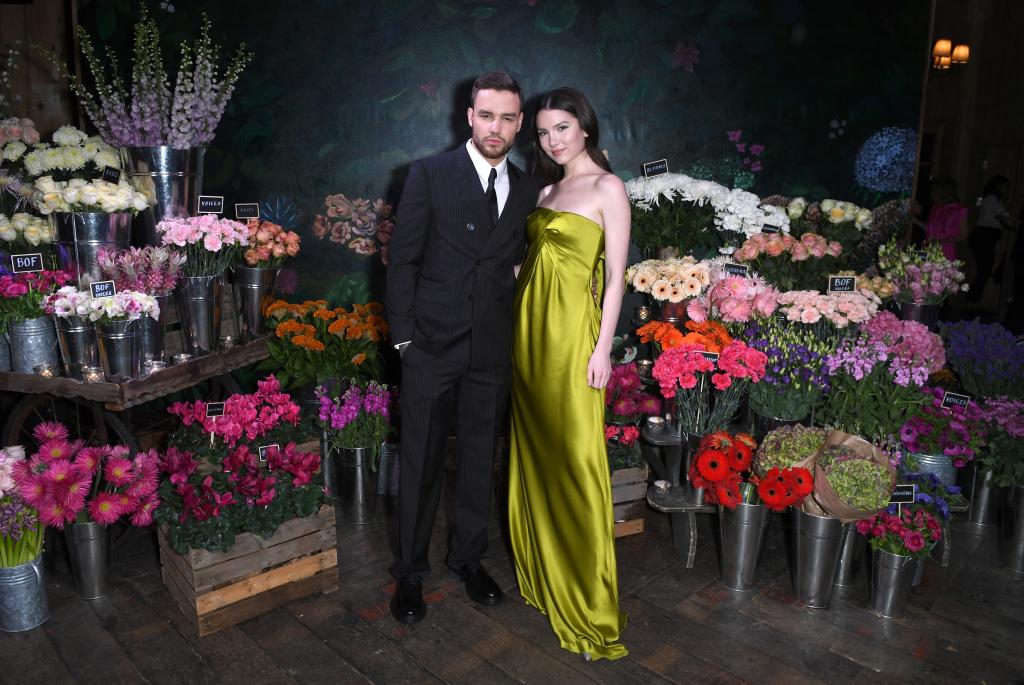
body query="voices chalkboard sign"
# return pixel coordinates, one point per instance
(100, 289)
(954, 399)
(210, 204)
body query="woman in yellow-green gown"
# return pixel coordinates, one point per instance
(567, 303)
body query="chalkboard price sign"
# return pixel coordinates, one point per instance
(953, 399)
(210, 204)
(842, 284)
(247, 210)
(656, 168)
(214, 409)
(26, 263)
(111, 174)
(736, 269)
(102, 289)
(903, 494)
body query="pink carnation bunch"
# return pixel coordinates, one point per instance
(68, 482)
(211, 244)
(839, 309)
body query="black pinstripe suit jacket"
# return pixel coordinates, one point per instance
(450, 282)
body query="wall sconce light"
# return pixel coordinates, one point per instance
(940, 63)
(945, 54)
(943, 48)
(961, 53)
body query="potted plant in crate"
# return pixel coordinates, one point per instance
(23, 603)
(241, 515)
(354, 426)
(84, 491)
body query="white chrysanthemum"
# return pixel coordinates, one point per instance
(69, 135)
(35, 164)
(72, 158)
(105, 159)
(14, 150)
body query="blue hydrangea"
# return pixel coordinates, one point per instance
(885, 162)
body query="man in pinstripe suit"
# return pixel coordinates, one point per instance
(450, 283)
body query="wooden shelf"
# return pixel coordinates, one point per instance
(120, 396)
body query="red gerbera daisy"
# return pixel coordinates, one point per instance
(740, 457)
(728, 494)
(803, 482)
(713, 465)
(773, 495)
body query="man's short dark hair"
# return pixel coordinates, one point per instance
(495, 80)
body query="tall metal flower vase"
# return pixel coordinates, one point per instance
(928, 314)
(23, 603)
(892, 577)
(742, 531)
(81, 236)
(818, 544)
(171, 179)
(985, 497)
(851, 557)
(151, 332)
(1011, 538)
(89, 550)
(691, 443)
(78, 347)
(120, 350)
(33, 342)
(357, 484)
(940, 465)
(328, 466)
(253, 289)
(199, 310)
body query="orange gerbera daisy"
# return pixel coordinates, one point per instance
(359, 359)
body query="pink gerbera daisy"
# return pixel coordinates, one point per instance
(50, 430)
(55, 449)
(90, 458)
(54, 514)
(143, 516)
(58, 472)
(105, 508)
(118, 472)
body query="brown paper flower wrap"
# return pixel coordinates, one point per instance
(827, 502)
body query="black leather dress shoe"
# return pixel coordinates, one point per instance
(480, 587)
(407, 603)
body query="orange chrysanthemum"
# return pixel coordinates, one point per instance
(359, 359)
(324, 314)
(309, 343)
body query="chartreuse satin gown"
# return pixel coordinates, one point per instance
(560, 500)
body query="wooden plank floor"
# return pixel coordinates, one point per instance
(965, 625)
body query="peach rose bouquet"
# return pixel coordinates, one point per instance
(790, 263)
(269, 245)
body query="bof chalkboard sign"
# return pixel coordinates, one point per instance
(100, 289)
(903, 493)
(214, 409)
(656, 168)
(210, 204)
(26, 263)
(954, 399)
(111, 174)
(710, 356)
(770, 228)
(736, 269)
(247, 210)
(842, 284)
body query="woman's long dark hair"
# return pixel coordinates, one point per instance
(575, 103)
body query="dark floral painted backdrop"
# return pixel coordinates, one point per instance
(776, 96)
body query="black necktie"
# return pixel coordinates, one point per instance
(492, 195)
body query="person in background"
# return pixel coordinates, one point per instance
(947, 219)
(988, 237)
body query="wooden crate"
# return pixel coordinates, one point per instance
(629, 489)
(216, 590)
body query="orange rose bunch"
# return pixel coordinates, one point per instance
(313, 341)
(269, 244)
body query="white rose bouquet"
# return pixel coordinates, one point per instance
(78, 195)
(24, 230)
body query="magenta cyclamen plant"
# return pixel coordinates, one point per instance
(957, 432)
(70, 483)
(149, 113)
(151, 270)
(359, 418)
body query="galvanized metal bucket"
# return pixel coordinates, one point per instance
(172, 180)
(1011, 539)
(818, 545)
(199, 310)
(81, 236)
(33, 342)
(89, 549)
(151, 332)
(938, 464)
(253, 289)
(23, 603)
(328, 466)
(120, 351)
(851, 557)
(78, 347)
(5, 350)
(743, 531)
(357, 484)
(892, 576)
(985, 498)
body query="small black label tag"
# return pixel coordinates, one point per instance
(102, 289)
(26, 263)
(210, 204)
(656, 168)
(920, 254)
(264, 451)
(736, 269)
(842, 284)
(710, 356)
(770, 228)
(954, 399)
(111, 175)
(903, 494)
(214, 409)
(247, 210)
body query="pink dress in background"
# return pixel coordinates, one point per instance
(943, 226)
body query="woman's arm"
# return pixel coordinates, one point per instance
(616, 213)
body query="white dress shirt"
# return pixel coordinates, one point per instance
(483, 170)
